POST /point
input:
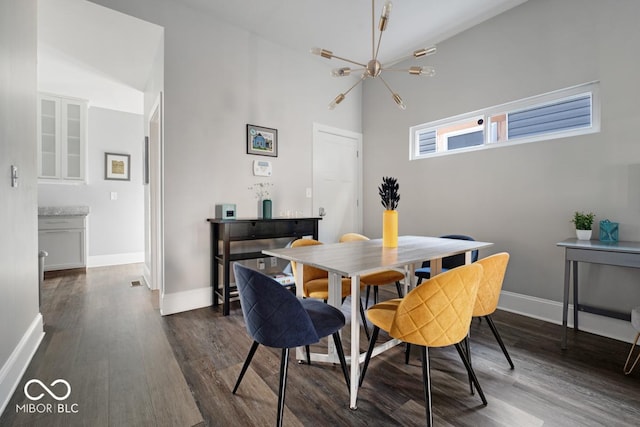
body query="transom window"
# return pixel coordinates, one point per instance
(566, 112)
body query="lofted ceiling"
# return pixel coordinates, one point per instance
(122, 48)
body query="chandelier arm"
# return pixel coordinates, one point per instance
(349, 60)
(387, 85)
(373, 29)
(364, 76)
(375, 57)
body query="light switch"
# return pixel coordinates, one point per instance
(114, 195)
(308, 192)
(14, 176)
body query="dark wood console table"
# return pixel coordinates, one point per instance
(225, 231)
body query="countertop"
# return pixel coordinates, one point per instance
(63, 210)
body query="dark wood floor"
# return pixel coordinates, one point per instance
(108, 340)
(583, 386)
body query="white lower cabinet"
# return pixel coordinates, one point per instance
(64, 239)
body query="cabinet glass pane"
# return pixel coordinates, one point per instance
(48, 108)
(48, 125)
(73, 146)
(73, 112)
(48, 144)
(73, 166)
(48, 164)
(73, 128)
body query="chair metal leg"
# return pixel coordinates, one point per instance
(426, 381)
(467, 347)
(343, 361)
(626, 370)
(375, 295)
(283, 384)
(470, 371)
(407, 352)
(399, 289)
(366, 297)
(306, 347)
(247, 361)
(364, 321)
(372, 344)
(499, 339)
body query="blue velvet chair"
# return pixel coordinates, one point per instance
(424, 272)
(276, 318)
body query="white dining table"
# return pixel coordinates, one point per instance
(354, 259)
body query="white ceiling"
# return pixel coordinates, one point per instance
(344, 27)
(122, 48)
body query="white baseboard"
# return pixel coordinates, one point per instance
(115, 259)
(551, 311)
(15, 367)
(185, 301)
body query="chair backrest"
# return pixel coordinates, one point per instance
(352, 237)
(495, 267)
(454, 261)
(438, 312)
(309, 272)
(273, 315)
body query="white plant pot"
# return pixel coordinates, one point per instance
(583, 234)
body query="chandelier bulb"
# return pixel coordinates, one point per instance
(384, 17)
(425, 71)
(424, 52)
(398, 101)
(341, 72)
(338, 99)
(322, 52)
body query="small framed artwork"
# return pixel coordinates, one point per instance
(262, 141)
(117, 166)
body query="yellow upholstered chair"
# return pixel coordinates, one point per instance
(435, 314)
(379, 278)
(495, 267)
(316, 281)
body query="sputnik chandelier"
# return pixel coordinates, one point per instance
(374, 68)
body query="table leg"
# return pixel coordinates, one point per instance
(355, 341)
(565, 303)
(575, 295)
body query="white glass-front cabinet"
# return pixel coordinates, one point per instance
(62, 138)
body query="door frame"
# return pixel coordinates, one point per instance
(320, 128)
(156, 201)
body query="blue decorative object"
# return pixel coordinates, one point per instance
(266, 209)
(608, 231)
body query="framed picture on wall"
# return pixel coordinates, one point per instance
(262, 141)
(117, 166)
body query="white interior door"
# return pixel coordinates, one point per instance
(337, 181)
(153, 244)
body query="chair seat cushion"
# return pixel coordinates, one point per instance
(382, 313)
(325, 318)
(382, 278)
(319, 288)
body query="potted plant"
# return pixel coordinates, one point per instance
(583, 222)
(389, 197)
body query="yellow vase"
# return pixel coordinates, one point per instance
(390, 229)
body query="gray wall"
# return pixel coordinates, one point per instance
(218, 78)
(115, 227)
(19, 310)
(521, 197)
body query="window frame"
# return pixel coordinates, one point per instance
(591, 88)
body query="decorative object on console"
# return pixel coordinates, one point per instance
(583, 222)
(226, 211)
(264, 195)
(389, 198)
(117, 166)
(262, 141)
(608, 231)
(374, 68)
